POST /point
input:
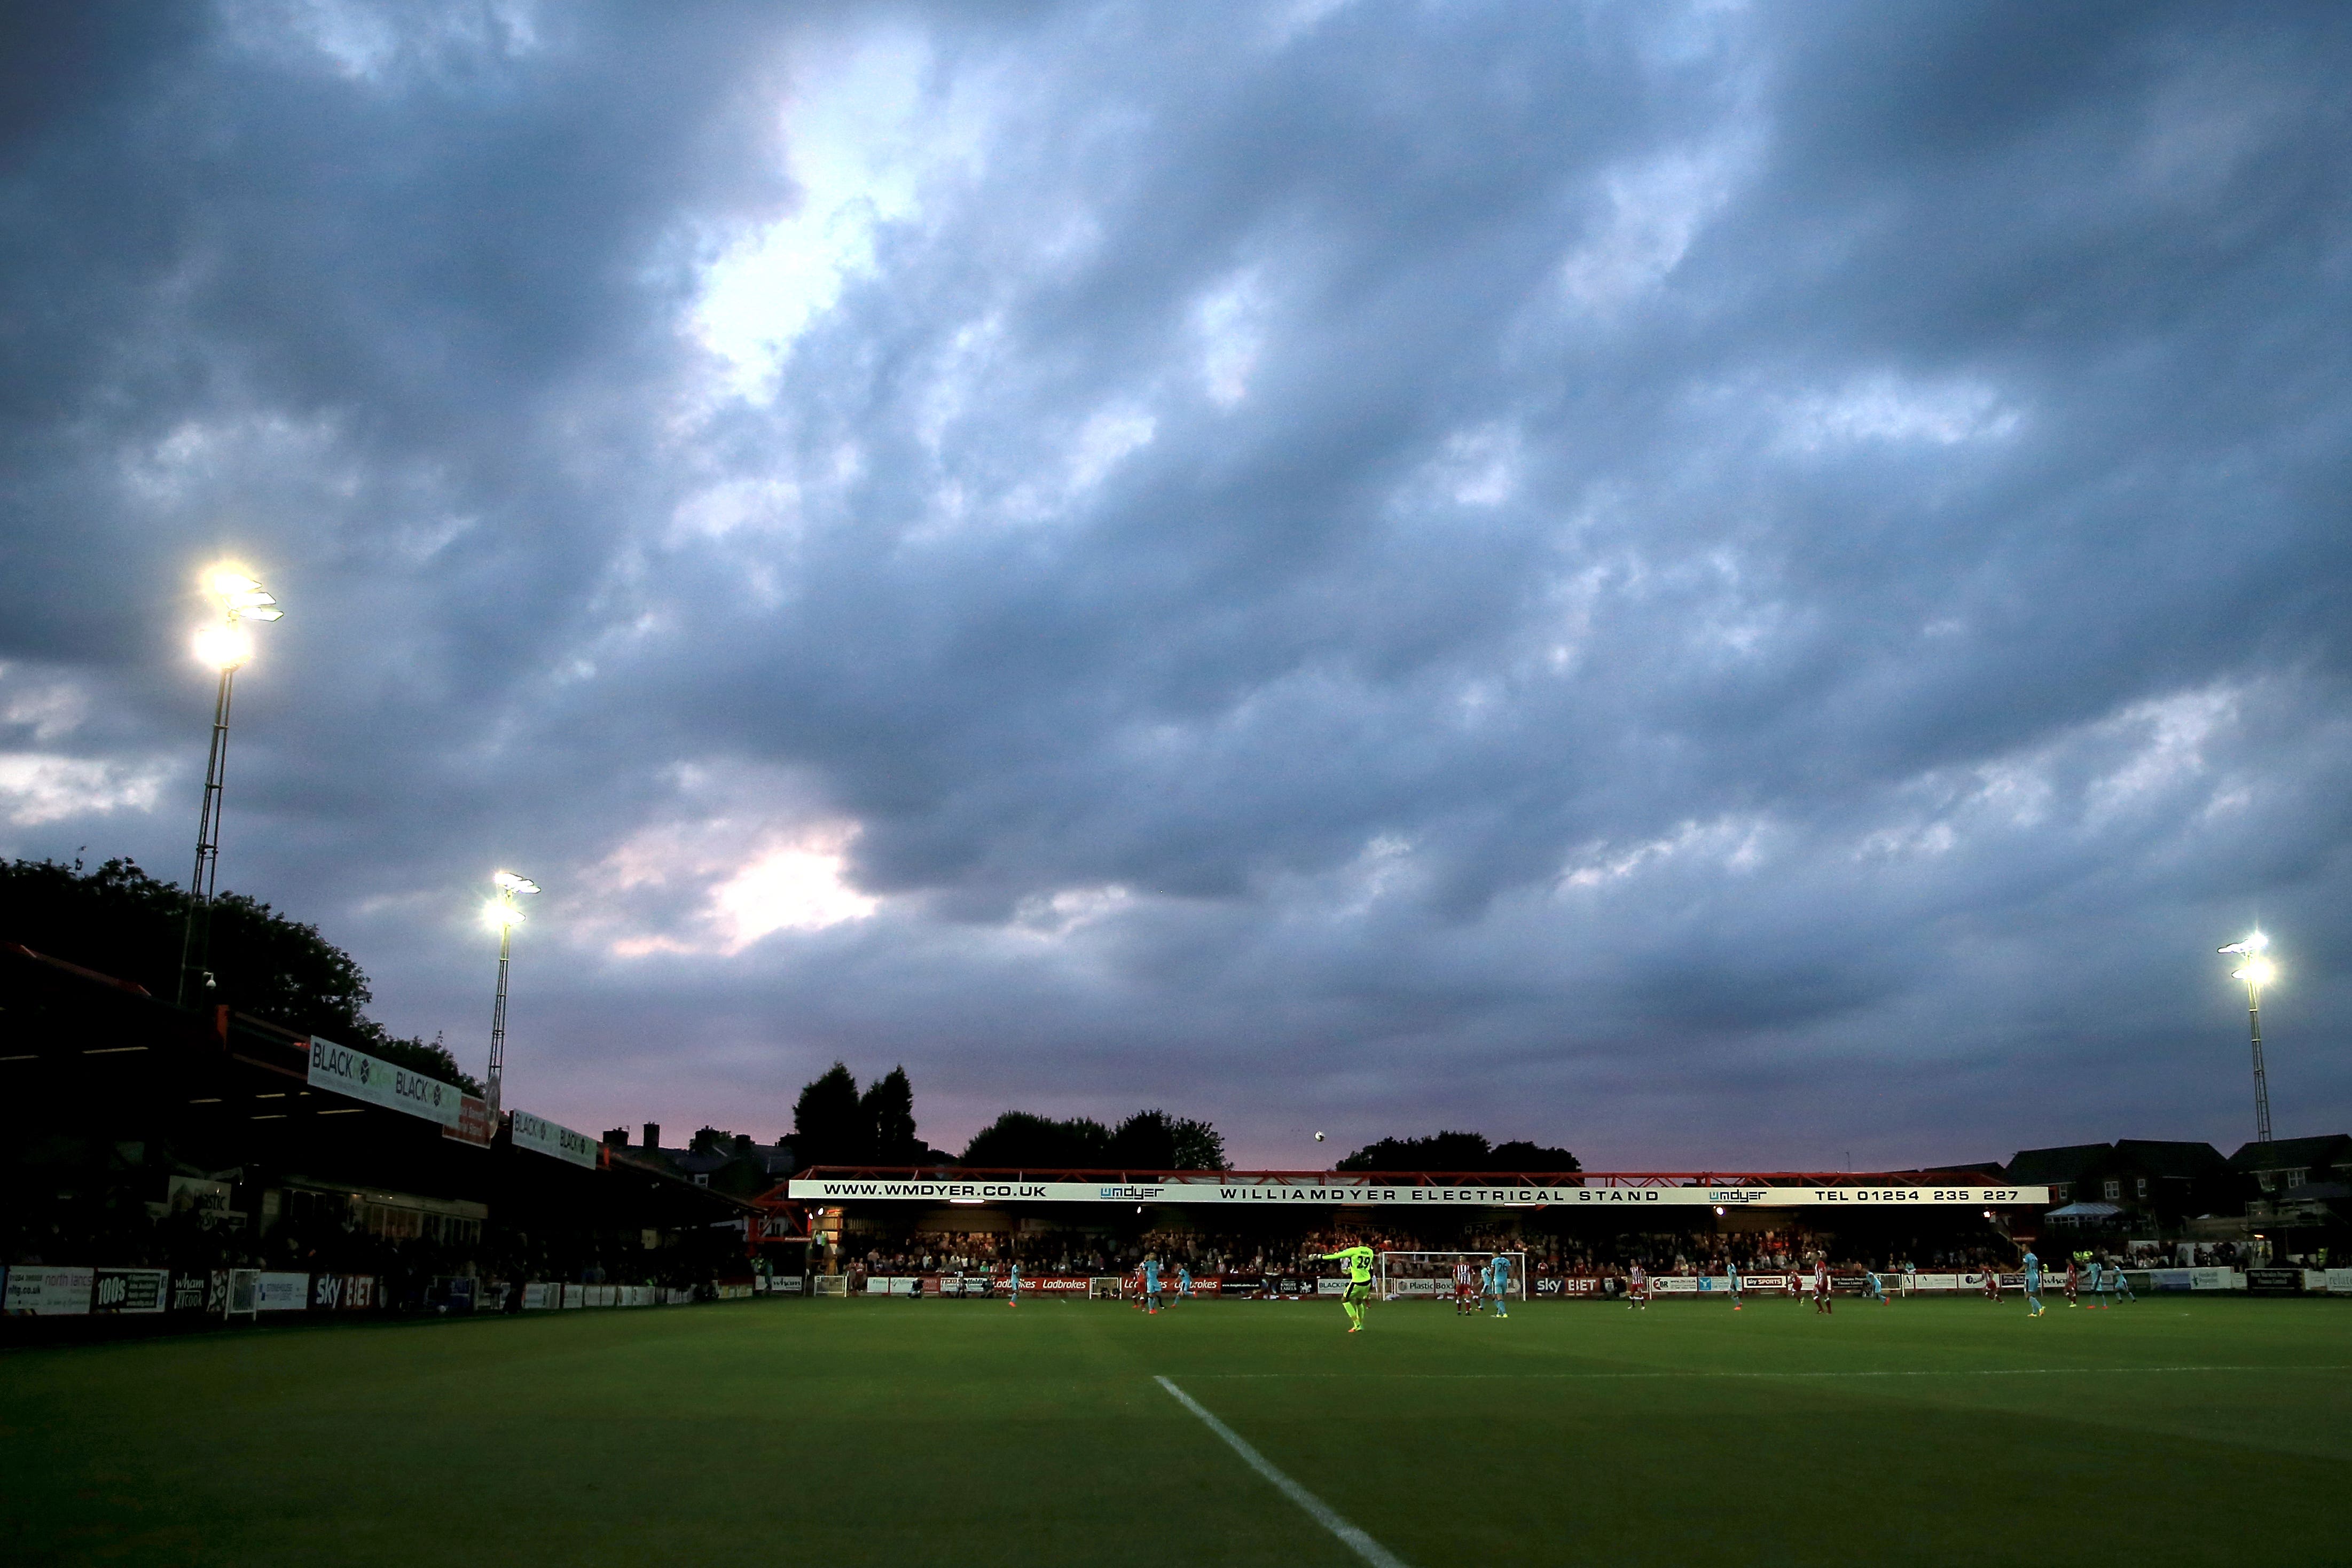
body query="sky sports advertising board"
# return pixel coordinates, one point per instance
(1352, 1195)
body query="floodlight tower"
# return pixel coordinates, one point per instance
(2256, 972)
(504, 914)
(225, 645)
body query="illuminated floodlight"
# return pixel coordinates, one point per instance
(2256, 973)
(497, 915)
(224, 645)
(508, 882)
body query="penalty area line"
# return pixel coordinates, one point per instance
(1321, 1512)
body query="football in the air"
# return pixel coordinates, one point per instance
(1318, 1137)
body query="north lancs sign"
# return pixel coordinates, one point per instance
(1338, 1194)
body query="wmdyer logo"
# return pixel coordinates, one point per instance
(1132, 1194)
(1736, 1196)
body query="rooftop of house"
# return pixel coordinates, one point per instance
(2067, 1163)
(2165, 1157)
(2334, 1149)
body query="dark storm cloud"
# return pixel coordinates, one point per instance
(1711, 584)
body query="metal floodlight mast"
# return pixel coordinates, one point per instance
(225, 644)
(503, 913)
(2256, 972)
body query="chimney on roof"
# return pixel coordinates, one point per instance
(653, 1134)
(742, 1142)
(618, 1138)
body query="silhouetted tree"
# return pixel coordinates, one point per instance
(829, 1123)
(888, 1109)
(1457, 1152)
(1019, 1139)
(121, 922)
(1147, 1140)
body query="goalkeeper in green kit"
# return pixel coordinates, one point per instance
(1359, 1260)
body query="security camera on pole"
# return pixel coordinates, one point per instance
(222, 644)
(503, 914)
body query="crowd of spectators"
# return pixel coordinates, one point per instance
(1304, 1254)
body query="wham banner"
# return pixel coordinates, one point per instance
(554, 1138)
(1336, 1194)
(360, 1076)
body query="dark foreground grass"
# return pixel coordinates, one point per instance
(2180, 1431)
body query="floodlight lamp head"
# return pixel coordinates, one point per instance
(2257, 972)
(508, 882)
(224, 647)
(228, 581)
(498, 915)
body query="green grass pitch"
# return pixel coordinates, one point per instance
(2180, 1430)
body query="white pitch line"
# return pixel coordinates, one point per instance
(1623, 1376)
(1321, 1512)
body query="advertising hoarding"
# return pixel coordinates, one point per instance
(553, 1140)
(44, 1291)
(356, 1074)
(1332, 1194)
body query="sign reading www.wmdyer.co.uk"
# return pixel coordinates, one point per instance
(362, 1077)
(554, 1138)
(1337, 1194)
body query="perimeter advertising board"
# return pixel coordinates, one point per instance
(358, 1076)
(1334, 1195)
(130, 1290)
(40, 1291)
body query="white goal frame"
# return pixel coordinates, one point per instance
(1107, 1288)
(832, 1285)
(1443, 1264)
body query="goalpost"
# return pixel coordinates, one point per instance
(1430, 1274)
(1106, 1286)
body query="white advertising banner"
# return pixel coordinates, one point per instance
(1337, 1193)
(282, 1293)
(358, 1076)
(553, 1140)
(2339, 1282)
(39, 1290)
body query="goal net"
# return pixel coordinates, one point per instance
(1106, 1286)
(832, 1285)
(1430, 1274)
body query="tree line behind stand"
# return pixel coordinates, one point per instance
(1458, 1152)
(122, 923)
(834, 1123)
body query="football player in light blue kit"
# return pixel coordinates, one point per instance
(1151, 1286)
(1013, 1286)
(1498, 1284)
(2033, 1283)
(1183, 1282)
(2098, 1283)
(2122, 1286)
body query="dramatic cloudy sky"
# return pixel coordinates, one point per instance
(1712, 583)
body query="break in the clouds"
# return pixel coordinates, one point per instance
(1712, 583)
